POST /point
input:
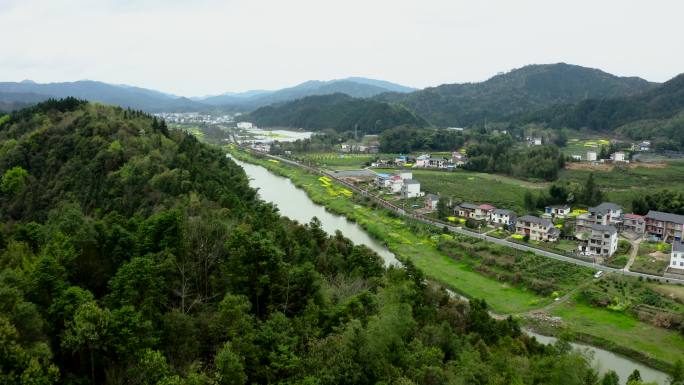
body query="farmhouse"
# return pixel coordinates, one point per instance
(618, 156)
(599, 240)
(677, 258)
(592, 156)
(557, 211)
(664, 226)
(634, 223)
(503, 217)
(604, 214)
(483, 212)
(410, 189)
(431, 201)
(465, 210)
(536, 228)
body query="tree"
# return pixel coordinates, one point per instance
(229, 368)
(442, 208)
(13, 180)
(592, 195)
(610, 378)
(88, 332)
(634, 377)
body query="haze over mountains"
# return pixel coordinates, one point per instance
(19, 94)
(557, 95)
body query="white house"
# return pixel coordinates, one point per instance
(245, 125)
(557, 211)
(503, 217)
(438, 162)
(410, 189)
(592, 156)
(598, 240)
(618, 156)
(422, 161)
(677, 257)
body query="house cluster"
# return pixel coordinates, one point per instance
(359, 148)
(401, 182)
(596, 231)
(457, 159)
(194, 117)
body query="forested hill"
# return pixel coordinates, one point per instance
(337, 111)
(131, 254)
(526, 89)
(658, 113)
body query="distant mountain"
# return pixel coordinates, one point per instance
(11, 101)
(337, 111)
(354, 86)
(657, 113)
(121, 95)
(527, 89)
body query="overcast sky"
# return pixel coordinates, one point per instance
(199, 47)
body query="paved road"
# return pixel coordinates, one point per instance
(470, 233)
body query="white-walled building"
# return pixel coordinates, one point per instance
(598, 240)
(618, 156)
(592, 156)
(677, 256)
(245, 125)
(503, 217)
(410, 189)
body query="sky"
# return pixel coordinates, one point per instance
(203, 47)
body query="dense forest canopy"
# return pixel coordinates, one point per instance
(336, 111)
(134, 254)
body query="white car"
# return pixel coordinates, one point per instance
(598, 274)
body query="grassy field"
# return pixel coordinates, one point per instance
(418, 242)
(622, 330)
(341, 161)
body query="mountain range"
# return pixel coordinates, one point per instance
(15, 95)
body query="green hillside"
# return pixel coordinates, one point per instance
(527, 89)
(336, 111)
(132, 254)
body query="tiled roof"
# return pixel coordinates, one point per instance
(533, 219)
(599, 227)
(467, 205)
(605, 207)
(486, 207)
(634, 216)
(665, 217)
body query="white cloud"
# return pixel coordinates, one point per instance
(212, 46)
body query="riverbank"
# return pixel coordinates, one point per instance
(411, 239)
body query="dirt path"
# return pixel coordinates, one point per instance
(633, 253)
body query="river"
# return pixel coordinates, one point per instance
(295, 204)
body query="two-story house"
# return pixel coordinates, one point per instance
(483, 212)
(465, 210)
(410, 189)
(503, 217)
(538, 229)
(664, 226)
(557, 211)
